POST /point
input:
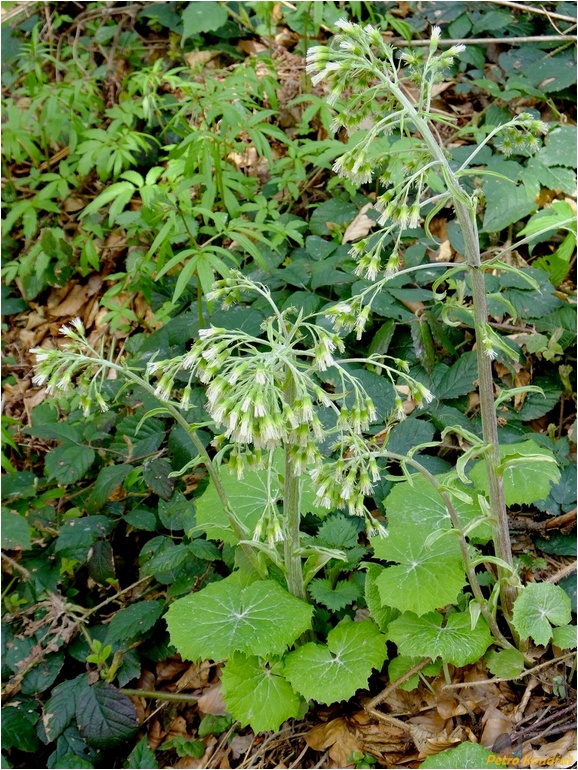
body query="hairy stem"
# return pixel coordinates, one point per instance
(466, 216)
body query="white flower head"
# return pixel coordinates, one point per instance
(436, 32)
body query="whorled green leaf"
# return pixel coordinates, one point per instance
(133, 620)
(256, 693)
(466, 755)
(249, 495)
(421, 504)
(334, 672)
(334, 598)
(381, 614)
(427, 636)
(524, 482)
(424, 578)
(538, 607)
(261, 619)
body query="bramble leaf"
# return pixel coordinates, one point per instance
(334, 672)
(133, 621)
(256, 694)
(261, 619)
(67, 463)
(537, 608)
(425, 636)
(424, 578)
(106, 717)
(524, 482)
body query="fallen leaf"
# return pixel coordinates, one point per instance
(337, 737)
(360, 226)
(211, 701)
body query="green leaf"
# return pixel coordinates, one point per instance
(250, 496)
(332, 212)
(166, 559)
(72, 761)
(560, 147)
(402, 664)
(101, 562)
(334, 672)
(261, 619)
(133, 621)
(337, 532)
(212, 724)
(506, 202)
(61, 706)
(15, 531)
(109, 478)
(345, 592)
(456, 380)
(178, 513)
(156, 477)
(68, 464)
(19, 728)
(564, 637)
(185, 747)
(466, 755)
(106, 718)
(81, 533)
(424, 579)
(507, 664)
(420, 504)
(538, 607)
(426, 636)
(43, 675)
(202, 17)
(381, 615)
(524, 482)
(256, 694)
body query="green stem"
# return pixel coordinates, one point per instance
(292, 511)
(466, 216)
(175, 697)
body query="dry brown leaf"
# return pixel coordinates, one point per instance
(197, 675)
(360, 226)
(251, 47)
(156, 734)
(241, 745)
(76, 298)
(560, 749)
(337, 737)
(445, 252)
(211, 701)
(170, 668)
(495, 723)
(200, 58)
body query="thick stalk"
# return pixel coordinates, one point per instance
(465, 213)
(292, 513)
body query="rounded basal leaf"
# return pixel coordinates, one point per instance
(380, 614)
(564, 637)
(538, 608)
(402, 664)
(424, 579)
(261, 619)
(420, 503)
(334, 672)
(106, 718)
(426, 636)
(524, 483)
(256, 694)
(466, 755)
(507, 664)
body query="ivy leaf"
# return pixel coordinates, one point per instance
(334, 672)
(419, 503)
(133, 621)
(507, 664)
(564, 637)
(466, 755)
(524, 483)
(424, 579)
(381, 615)
(261, 619)
(256, 694)
(336, 598)
(250, 495)
(68, 464)
(106, 717)
(537, 608)
(420, 637)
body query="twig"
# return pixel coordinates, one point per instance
(557, 522)
(544, 721)
(394, 685)
(533, 9)
(175, 697)
(14, 564)
(562, 573)
(498, 679)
